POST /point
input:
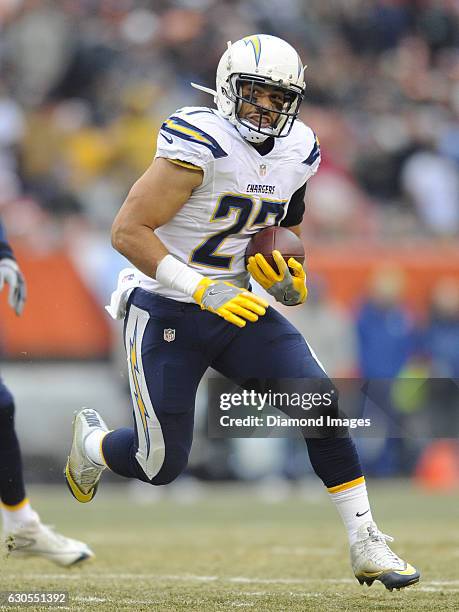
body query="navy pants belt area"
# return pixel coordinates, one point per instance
(169, 347)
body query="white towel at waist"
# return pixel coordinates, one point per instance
(128, 280)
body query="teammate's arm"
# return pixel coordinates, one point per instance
(154, 200)
(11, 274)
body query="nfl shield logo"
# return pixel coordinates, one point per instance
(169, 335)
(262, 169)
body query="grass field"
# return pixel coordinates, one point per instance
(229, 550)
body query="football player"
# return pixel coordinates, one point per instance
(24, 535)
(219, 176)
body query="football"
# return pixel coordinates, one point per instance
(276, 239)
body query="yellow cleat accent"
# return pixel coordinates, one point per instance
(84, 498)
(372, 559)
(409, 571)
(81, 474)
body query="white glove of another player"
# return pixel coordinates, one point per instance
(10, 273)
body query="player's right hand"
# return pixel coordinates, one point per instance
(10, 273)
(235, 305)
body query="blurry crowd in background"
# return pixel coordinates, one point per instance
(85, 85)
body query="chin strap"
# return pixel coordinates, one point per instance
(251, 135)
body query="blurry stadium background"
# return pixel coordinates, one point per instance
(84, 87)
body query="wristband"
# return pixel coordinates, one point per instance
(175, 274)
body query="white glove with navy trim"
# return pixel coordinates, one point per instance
(11, 274)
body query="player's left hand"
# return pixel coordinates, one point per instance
(287, 285)
(10, 273)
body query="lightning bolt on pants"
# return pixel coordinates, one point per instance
(169, 346)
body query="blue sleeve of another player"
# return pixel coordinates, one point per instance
(5, 249)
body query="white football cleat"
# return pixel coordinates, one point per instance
(33, 539)
(372, 559)
(82, 474)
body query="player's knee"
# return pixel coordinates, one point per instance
(6, 408)
(174, 464)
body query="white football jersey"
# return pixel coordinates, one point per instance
(242, 192)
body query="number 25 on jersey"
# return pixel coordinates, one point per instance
(271, 212)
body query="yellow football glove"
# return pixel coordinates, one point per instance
(288, 287)
(235, 305)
